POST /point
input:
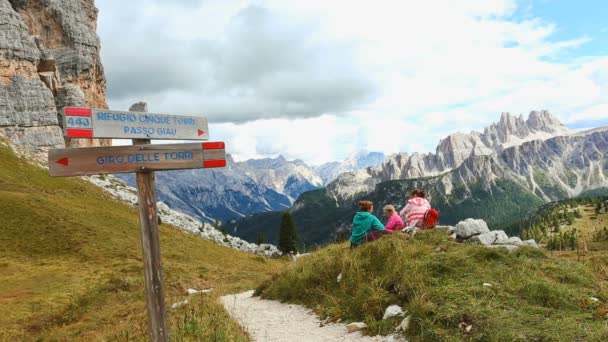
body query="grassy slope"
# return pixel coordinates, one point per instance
(587, 225)
(71, 265)
(533, 297)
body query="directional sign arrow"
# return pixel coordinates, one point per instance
(121, 159)
(105, 123)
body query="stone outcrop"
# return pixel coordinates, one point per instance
(49, 59)
(477, 231)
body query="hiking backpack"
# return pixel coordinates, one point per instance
(430, 219)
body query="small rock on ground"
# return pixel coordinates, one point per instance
(355, 326)
(392, 311)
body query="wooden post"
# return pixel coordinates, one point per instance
(148, 218)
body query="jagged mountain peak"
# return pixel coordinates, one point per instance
(452, 151)
(544, 121)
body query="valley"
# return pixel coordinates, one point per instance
(500, 186)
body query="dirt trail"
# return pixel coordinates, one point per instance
(273, 321)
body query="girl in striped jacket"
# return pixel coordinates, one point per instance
(415, 209)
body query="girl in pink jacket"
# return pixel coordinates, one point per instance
(394, 222)
(415, 209)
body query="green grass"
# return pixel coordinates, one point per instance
(71, 265)
(534, 297)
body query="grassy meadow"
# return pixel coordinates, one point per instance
(533, 296)
(71, 266)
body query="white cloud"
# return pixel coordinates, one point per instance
(325, 78)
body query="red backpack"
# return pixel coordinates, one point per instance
(430, 219)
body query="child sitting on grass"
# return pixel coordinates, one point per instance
(366, 226)
(415, 209)
(395, 222)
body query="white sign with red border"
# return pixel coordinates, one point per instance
(104, 123)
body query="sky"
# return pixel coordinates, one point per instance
(319, 80)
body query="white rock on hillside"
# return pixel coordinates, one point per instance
(118, 189)
(514, 240)
(471, 227)
(491, 238)
(530, 243)
(392, 311)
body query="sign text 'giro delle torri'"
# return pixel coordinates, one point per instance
(121, 159)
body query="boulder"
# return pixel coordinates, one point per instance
(470, 227)
(490, 238)
(392, 311)
(530, 243)
(513, 241)
(355, 326)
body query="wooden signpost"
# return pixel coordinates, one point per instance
(143, 159)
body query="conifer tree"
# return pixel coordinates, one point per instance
(287, 234)
(261, 238)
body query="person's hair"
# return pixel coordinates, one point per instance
(418, 193)
(365, 205)
(389, 208)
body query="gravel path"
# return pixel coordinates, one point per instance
(273, 321)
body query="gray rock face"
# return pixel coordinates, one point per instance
(471, 227)
(49, 58)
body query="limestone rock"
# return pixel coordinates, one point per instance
(514, 240)
(530, 243)
(470, 227)
(490, 238)
(392, 311)
(355, 326)
(179, 304)
(405, 324)
(193, 291)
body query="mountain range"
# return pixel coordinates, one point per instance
(500, 175)
(247, 187)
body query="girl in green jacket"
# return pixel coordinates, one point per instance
(366, 226)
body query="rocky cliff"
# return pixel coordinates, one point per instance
(49, 59)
